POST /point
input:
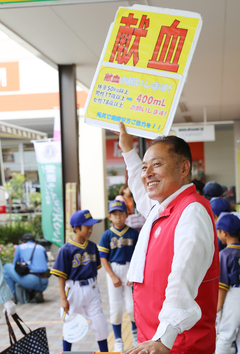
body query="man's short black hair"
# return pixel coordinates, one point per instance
(28, 237)
(178, 147)
(199, 185)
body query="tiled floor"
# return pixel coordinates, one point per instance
(47, 315)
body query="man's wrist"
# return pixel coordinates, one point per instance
(167, 334)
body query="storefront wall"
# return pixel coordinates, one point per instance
(213, 160)
(220, 158)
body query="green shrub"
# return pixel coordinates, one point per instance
(37, 226)
(113, 191)
(7, 253)
(15, 186)
(13, 232)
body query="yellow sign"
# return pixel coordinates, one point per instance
(151, 40)
(139, 100)
(142, 70)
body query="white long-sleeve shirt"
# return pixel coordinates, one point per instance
(193, 255)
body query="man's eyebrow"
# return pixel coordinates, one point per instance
(153, 159)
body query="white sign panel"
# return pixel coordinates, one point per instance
(142, 70)
(195, 133)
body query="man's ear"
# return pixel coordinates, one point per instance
(185, 168)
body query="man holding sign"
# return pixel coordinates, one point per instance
(175, 265)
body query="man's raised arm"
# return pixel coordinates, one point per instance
(134, 167)
(125, 139)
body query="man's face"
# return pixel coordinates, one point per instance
(161, 174)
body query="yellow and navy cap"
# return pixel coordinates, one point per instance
(228, 222)
(82, 217)
(219, 205)
(212, 190)
(117, 205)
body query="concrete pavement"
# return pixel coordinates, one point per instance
(47, 315)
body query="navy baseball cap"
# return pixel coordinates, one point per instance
(82, 217)
(212, 189)
(219, 205)
(28, 237)
(228, 222)
(117, 205)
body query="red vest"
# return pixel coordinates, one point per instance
(150, 295)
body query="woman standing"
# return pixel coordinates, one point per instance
(125, 196)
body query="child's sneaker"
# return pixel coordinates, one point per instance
(118, 346)
(134, 338)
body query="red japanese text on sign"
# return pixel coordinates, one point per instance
(124, 37)
(170, 41)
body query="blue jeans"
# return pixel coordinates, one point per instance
(29, 281)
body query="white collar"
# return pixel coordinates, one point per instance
(161, 207)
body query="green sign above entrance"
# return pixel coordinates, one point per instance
(28, 3)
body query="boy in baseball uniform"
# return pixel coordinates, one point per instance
(116, 247)
(228, 230)
(76, 268)
(220, 205)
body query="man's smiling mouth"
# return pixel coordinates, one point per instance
(152, 183)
